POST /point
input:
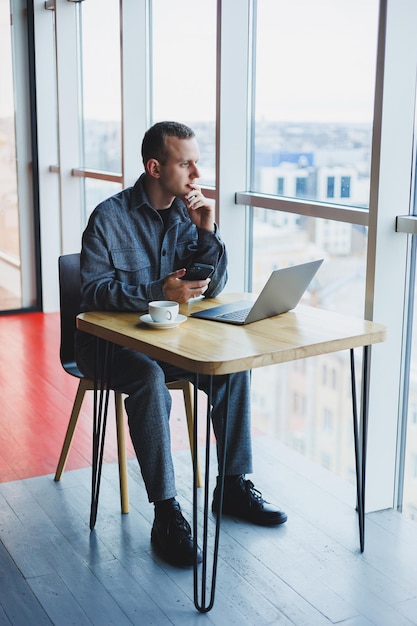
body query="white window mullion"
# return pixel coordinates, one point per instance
(69, 143)
(232, 132)
(387, 250)
(47, 126)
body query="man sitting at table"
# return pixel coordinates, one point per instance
(135, 249)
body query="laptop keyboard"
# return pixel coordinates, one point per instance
(236, 316)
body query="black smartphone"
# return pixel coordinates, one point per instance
(198, 271)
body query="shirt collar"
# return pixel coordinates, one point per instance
(140, 199)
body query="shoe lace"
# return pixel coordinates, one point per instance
(178, 525)
(252, 492)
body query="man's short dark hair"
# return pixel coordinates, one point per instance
(153, 144)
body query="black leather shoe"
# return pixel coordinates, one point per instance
(172, 539)
(242, 500)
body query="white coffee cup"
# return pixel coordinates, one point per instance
(162, 311)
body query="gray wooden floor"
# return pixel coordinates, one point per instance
(308, 572)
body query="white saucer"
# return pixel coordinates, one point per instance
(163, 325)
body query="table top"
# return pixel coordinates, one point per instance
(208, 347)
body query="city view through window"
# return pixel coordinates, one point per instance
(307, 404)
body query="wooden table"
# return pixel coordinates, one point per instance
(214, 348)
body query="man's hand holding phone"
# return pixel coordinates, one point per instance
(198, 271)
(184, 285)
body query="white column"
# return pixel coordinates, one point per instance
(387, 250)
(232, 128)
(47, 127)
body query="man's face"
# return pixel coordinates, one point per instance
(180, 168)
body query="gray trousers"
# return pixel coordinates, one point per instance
(148, 407)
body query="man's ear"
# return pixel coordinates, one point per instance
(153, 168)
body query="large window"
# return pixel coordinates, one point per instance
(101, 95)
(314, 96)
(184, 71)
(312, 141)
(10, 279)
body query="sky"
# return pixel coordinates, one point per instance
(315, 60)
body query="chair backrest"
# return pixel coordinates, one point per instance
(69, 299)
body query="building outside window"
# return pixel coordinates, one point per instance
(345, 187)
(330, 186)
(280, 186)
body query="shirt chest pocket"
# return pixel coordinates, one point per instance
(132, 265)
(186, 249)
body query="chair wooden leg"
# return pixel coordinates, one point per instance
(188, 392)
(121, 448)
(83, 386)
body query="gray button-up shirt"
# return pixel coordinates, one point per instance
(127, 251)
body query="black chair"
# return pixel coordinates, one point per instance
(69, 292)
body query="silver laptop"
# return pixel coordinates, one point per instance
(282, 292)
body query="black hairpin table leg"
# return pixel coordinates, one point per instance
(360, 438)
(102, 385)
(201, 602)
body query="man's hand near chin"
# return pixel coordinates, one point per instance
(200, 209)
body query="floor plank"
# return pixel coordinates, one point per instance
(18, 604)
